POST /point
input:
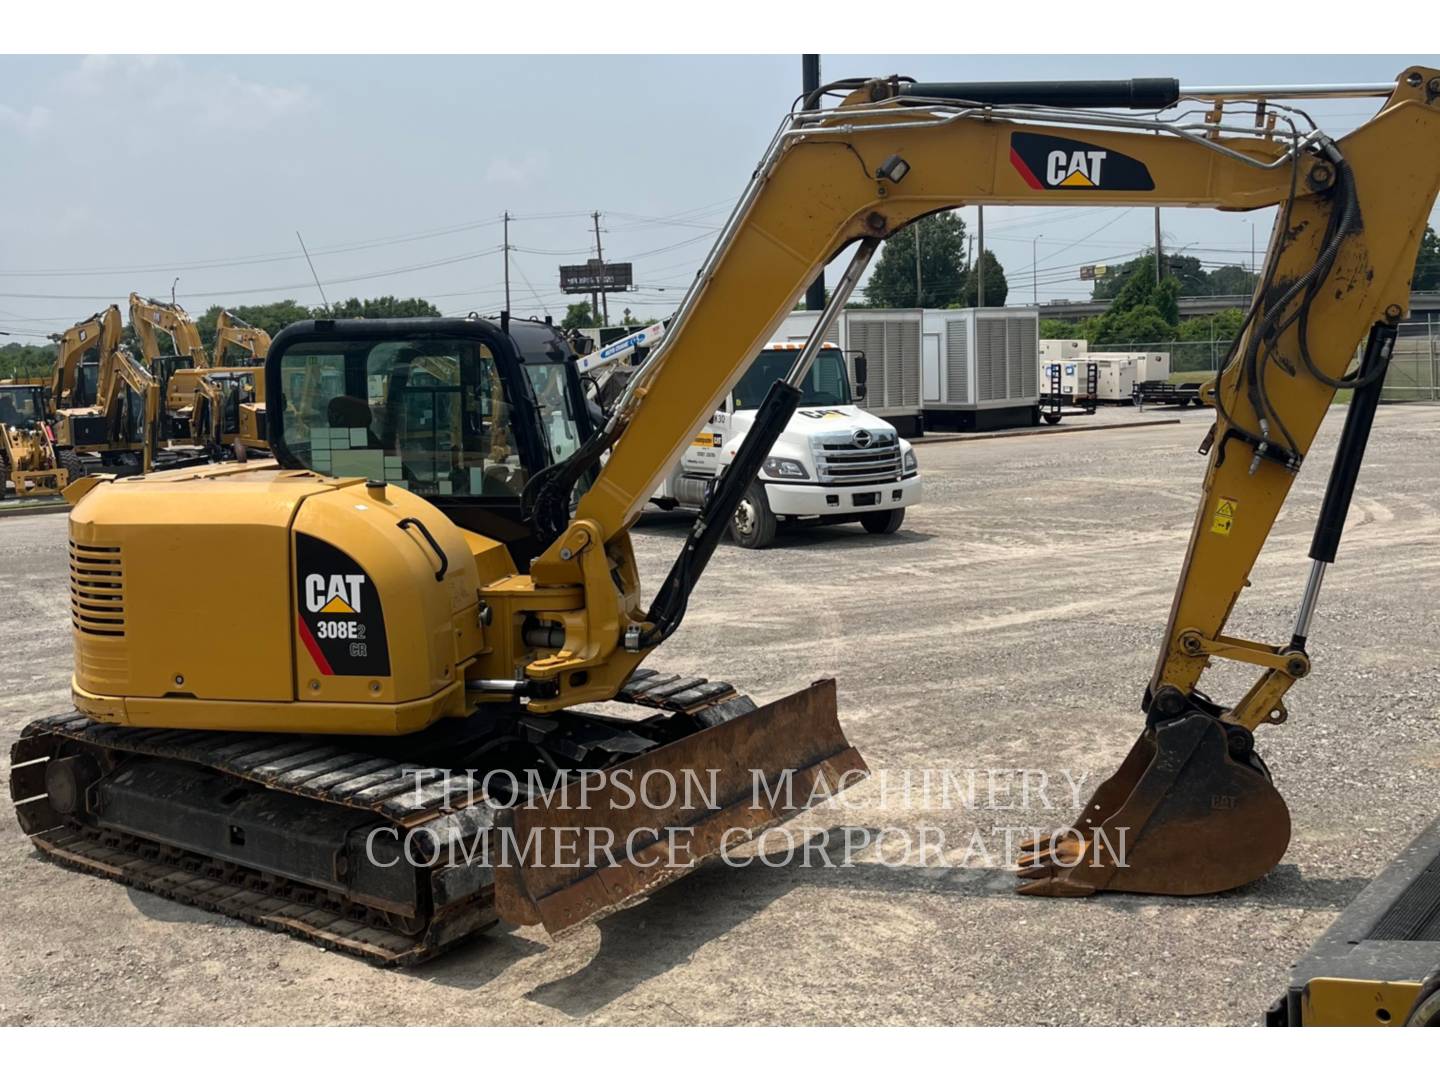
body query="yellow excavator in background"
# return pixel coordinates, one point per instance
(227, 411)
(122, 427)
(178, 371)
(75, 378)
(435, 585)
(103, 402)
(27, 444)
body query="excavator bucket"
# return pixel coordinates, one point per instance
(613, 837)
(1190, 811)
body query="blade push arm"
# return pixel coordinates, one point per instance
(868, 168)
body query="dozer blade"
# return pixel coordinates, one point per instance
(1181, 817)
(625, 832)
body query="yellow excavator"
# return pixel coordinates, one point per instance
(227, 407)
(178, 371)
(436, 590)
(75, 377)
(104, 401)
(27, 444)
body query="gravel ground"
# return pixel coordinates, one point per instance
(1010, 625)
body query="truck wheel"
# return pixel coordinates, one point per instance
(883, 521)
(70, 461)
(753, 525)
(1052, 418)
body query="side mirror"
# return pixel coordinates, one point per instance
(862, 369)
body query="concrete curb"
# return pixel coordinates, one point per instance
(1054, 429)
(30, 509)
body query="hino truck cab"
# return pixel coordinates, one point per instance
(834, 463)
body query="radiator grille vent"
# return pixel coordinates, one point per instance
(97, 590)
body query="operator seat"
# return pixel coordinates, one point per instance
(353, 412)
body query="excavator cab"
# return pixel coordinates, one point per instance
(457, 411)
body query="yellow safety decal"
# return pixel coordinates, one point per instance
(706, 439)
(1223, 519)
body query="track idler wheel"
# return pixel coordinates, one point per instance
(1190, 811)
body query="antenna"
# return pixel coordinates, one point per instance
(314, 275)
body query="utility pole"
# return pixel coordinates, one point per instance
(1158, 272)
(919, 295)
(979, 267)
(1035, 269)
(506, 249)
(1252, 247)
(600, 257)
(809, 83)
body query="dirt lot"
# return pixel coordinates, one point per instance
(1011, 624)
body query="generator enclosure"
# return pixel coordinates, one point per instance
(1117, 373)
(1052, 349)
(1074, 379)
(943, 369)
(890, 340)
(979, 368)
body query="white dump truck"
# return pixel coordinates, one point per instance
(833, 463)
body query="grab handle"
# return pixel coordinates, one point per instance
(405, 523)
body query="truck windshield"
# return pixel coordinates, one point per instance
(826, 383)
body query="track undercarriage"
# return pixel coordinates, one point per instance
(395, 849)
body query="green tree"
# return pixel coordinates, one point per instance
(942, 265)
(1222, 326)
(1188, 272)
(1059, 328)
(1232, 281)
(272, 317)
(27, 363)
(996, 287)
(1427, 263)
(578, 316)
(380, 307)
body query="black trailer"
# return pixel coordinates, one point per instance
(1160, 392)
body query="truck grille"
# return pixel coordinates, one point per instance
(97, 593)
(846, 461)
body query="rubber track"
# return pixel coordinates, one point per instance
(350, 772)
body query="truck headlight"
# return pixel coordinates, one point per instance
(911, 464)
(785, 469)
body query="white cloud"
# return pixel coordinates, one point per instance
(26, 121)
(510, 170)
(168, 90)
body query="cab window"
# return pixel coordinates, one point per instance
(430, 415)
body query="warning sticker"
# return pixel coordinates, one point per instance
(1223, 520)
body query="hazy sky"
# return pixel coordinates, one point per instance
(123, 173)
